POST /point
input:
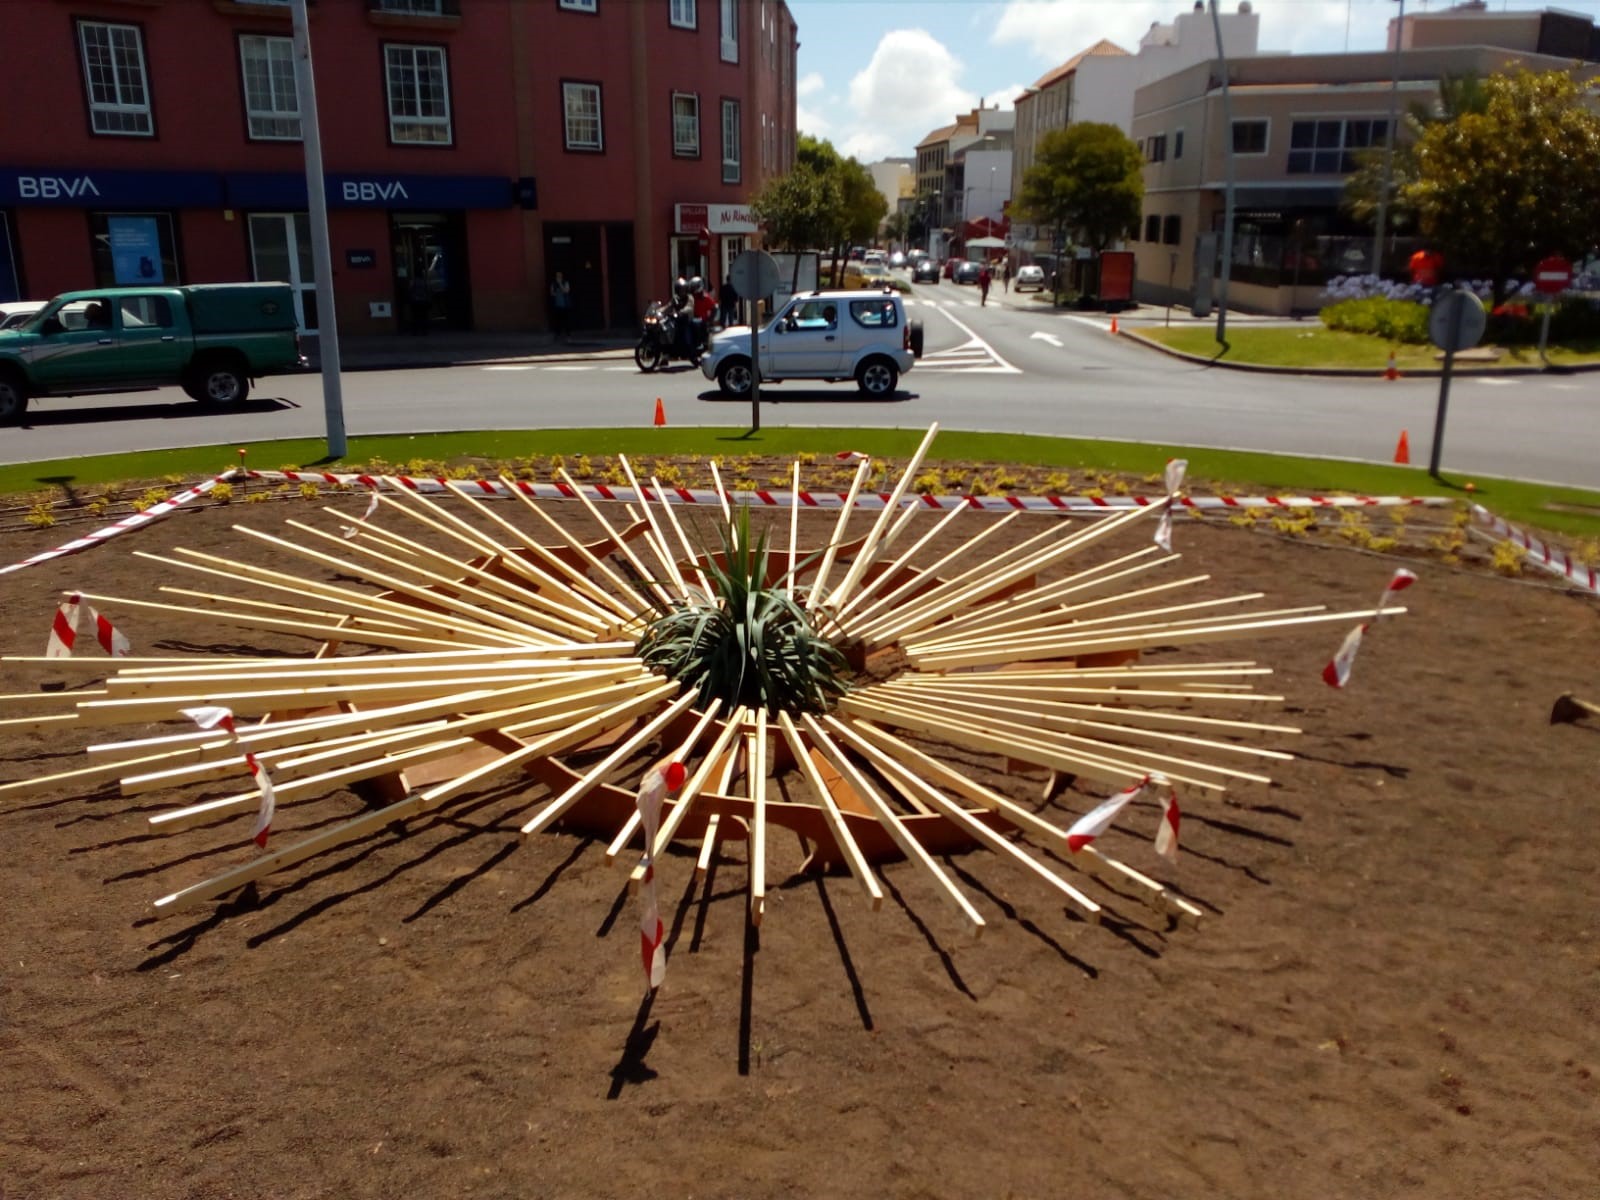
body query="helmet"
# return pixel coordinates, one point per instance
(697, 285)
(680, 286)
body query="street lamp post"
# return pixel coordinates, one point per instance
(1388, 145)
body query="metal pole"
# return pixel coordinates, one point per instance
(1388, 145)
(1450, 296)
(321, 255)
(1227, 201)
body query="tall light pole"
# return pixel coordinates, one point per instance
(321, 256)
(1388, 144)
(1227, 201)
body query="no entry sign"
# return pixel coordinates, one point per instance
(1552, 275)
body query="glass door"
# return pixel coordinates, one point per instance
(10, 288)
(280, 252)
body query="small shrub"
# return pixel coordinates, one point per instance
(806, 458)
(955, 479)
(40, 515)
(1058, 482)
(1121, 487)
(1382, 545)
(1507, 558)
(927, 484)
(99, 506)
(257, 498)
(309, 490)
(1245, 519)
(583, 468)
(1399, 515)
(1403, 321)
(222, 493)
(1356, 535)
(979, 486)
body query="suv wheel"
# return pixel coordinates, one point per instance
(13, 398)
(733, 377)
(877, 377)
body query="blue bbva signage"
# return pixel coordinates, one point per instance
(78, 187)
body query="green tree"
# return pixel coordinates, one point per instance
(1086, 182)
(1501, 188)
(1458, 95)
(798, 211)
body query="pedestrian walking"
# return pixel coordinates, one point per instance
(984, 280)
(728, 302)
(560, 307)
(1005, 275)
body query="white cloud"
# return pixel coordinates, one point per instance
(1004, 97)
(910, 87)
(808, 120)
(809, 84)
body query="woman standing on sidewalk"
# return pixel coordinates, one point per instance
(560, 307)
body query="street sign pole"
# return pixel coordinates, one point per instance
(754, 274)
(1444, 402)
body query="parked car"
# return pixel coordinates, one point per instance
(15, 312)
(925, 271)
(829, 336)
(1030, 276)
(966, 272)
(214, 340)
(876, 256)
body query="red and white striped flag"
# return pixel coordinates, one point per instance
(658, 780)
(1177, 468)
(350, 531)
(1337, 672)
(109, 636)
(850, 455)
(64, 629)
(213, 716)
(1098, 819)
(1167, 831)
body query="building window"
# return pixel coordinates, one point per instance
(1152, 228)
(1177, 145)
(271, 103)
(1171, 230)
(730, 31)
(113, 71)
(1156, 148)
(581, 104)
(1250, 137)
(419, 94)
(581, 5)
(730, 141)
(1329, 147)
(685, 125)
(683, 14)
(417, 8)
(133, 249)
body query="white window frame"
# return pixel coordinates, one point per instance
(588, 6)
(683, 14)
(686, 146)
(125, 111)
(732, 166)
(418, 121)
(1266, 141)
(413, 8)
(730, 30)
(571, 88)
(272, 115)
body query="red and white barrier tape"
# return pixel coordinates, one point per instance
(154, 513)
(1337, 673)
(1545, 557)
(1098, 819)
(211, 716)
(64, 631)
(868, 500)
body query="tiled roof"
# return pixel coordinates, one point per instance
(941, 134)
(1101, 49)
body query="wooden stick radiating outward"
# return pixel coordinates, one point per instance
(819, 585)
(656, 539)
(756, 781)
(681, 753)
(849, 850)
(891, 507)
(717, 758)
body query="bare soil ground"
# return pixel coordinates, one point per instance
(1396, 991)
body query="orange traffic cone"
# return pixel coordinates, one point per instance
(1391, 371)
(661, 412)
(1113, 326)
(1402, 450)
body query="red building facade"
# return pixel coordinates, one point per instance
(472, 148)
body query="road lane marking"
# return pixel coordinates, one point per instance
(509, 367)
(1000, 367)
(1047, 337)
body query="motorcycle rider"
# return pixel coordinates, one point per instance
(705, 310)
(682, 312)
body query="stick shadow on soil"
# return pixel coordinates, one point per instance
(944, 955)
(1022, 922)
(856, 990)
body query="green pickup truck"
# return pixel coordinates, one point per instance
(212, 339)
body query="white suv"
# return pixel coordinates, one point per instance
(860, 335)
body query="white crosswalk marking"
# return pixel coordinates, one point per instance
(509, 367)
(971, 357)
(1491, 382)
(569, 368)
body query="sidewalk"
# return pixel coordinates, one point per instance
(400, 352)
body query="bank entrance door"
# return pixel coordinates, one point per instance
(431, 289)
(280, 252)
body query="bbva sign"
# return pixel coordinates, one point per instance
(368, 191)
(54, 187)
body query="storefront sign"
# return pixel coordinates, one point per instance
(261, 190)
(717, 218)
(360, 259)
(77, 187)
(689, 218)
(135, 251)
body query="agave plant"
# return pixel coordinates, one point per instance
(749, 642)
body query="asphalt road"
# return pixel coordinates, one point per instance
(1011, 366)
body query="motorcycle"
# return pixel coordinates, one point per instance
(669, 334)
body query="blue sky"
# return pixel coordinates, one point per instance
(875, 76)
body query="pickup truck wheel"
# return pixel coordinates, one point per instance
(13, 398)
(222, 384)
(877, 377)
(733, 377)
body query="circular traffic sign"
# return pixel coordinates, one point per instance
(1552, 275)
(1457, 320)
(754, 274)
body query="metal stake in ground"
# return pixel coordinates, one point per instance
(1456, 323)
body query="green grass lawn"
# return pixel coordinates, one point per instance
(1315, 346)
(1568, 510)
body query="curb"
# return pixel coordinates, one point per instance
(1350, 372)
(361, 365)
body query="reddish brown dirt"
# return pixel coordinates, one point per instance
(1394, 993)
